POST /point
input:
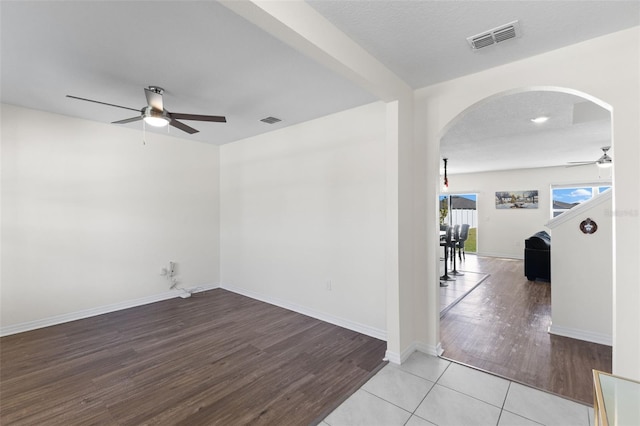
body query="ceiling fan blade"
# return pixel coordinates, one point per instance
(154, 99)
(128, 120)
(183, 127)
(580, 163)
(102, 103)
(198, 117)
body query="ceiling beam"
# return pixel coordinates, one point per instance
(300, 26)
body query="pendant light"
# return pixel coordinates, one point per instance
(445, 185)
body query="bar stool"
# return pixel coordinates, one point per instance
(454, 243)
(447, 243)
(464, 235)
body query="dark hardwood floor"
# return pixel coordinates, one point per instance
(216, 358)
(501, 327)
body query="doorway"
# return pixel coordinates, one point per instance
(458, 209)
(491, 159)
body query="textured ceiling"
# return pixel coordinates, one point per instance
(425, 42)
(499, 134)
(212, 61)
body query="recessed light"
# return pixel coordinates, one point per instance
(539, 120)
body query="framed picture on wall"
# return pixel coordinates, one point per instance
(517, 199)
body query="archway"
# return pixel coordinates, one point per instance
(505, 232)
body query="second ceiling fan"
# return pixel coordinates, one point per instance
(156, 115)
(604, 161)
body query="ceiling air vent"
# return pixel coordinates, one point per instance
(270, 120)
(496, 35)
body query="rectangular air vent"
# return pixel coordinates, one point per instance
(504, 33)
(482, 41)
(270, 120)
(495, 35)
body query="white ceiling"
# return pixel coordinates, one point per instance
(212, 61)
(499, 134)
(425, 42)
(208, 59)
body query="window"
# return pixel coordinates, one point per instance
(566, 197)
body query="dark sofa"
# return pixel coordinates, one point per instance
(537, 257)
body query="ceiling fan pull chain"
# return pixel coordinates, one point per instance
(144, 133)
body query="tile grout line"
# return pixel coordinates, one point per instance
(501, 407)
(427, 394)
(506, 395)
(381, 398)
(412, 413)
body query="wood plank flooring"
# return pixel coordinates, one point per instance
(501, 327)
(216, 358)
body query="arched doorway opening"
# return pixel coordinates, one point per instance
(495, 146)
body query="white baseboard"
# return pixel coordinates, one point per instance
(393, 357)
(126, 304)
(341, 322)
(502, 255)
(427, 349)
(589, 336)
(398, 359)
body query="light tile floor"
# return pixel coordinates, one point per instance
(427, 390)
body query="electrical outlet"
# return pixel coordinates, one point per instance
(170, 274)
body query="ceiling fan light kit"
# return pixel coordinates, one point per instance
(605, 163)
(155, 118)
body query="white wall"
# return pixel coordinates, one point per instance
(305, 205)
(90, 215)
(501, 232)
(605, 68)
(581, 273)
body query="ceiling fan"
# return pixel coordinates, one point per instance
(155, 115)
(604, 161)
